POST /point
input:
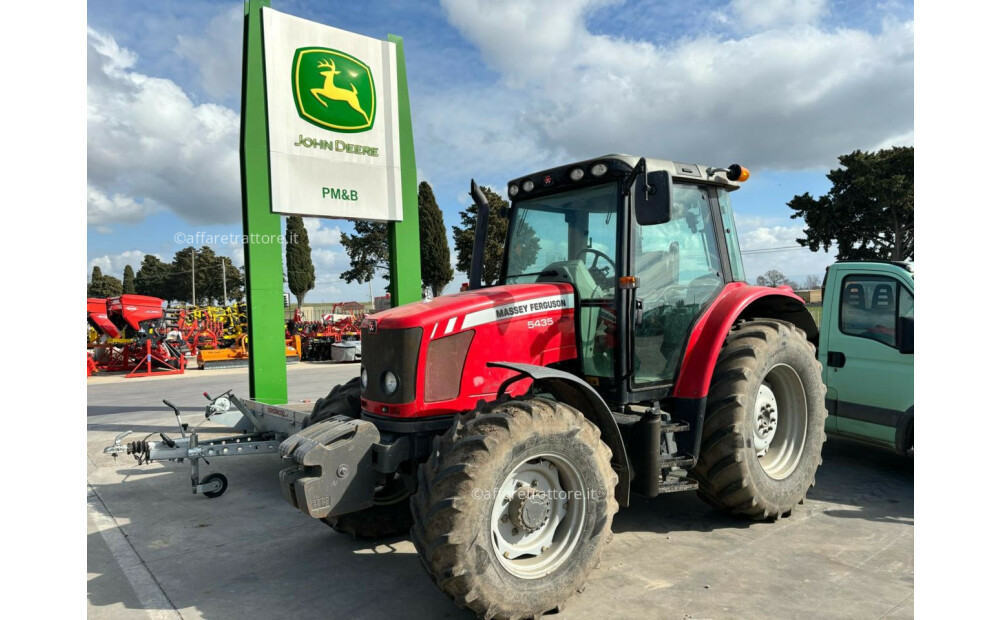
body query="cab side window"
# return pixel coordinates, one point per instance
(870, 307)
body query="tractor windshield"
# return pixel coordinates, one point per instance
(569, 237)
(573, 237)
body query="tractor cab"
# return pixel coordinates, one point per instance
(646, 244)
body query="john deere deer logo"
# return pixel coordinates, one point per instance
(333, 90)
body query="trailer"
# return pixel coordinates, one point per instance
(257, 428)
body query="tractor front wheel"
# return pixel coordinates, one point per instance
(514, 507)
(763, 422)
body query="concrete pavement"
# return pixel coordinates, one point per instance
(156, 550)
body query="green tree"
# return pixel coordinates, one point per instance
(435, 258)
(775, 278)
(298, 259)
(153, 278)
(234, 279)
(103, 286)
(96, 277)
(128, 281)
(496, 235)
(868, 212)
(368, 250)
(179, 280)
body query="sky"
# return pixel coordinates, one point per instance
(499, 90)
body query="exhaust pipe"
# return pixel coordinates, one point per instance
(479, 243)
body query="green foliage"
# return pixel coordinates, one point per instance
(128, 281)
(298, 259)
(868, 211)
(208, 268)
(368, 249)
(153, 278)
(496, 236)
(103, 286)
(775, 278)
(435, 258)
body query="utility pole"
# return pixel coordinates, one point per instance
(225, 297)
(371, 294)
(193, 301)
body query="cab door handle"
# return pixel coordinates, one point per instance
(835, 359)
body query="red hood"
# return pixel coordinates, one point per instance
(460, 305)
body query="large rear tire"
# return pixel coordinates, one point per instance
(390, 516)
(764, 422)
(514, 507)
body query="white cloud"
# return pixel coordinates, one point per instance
(781, 252)
(218, 53)
(149, 143)
(320, 235)
(755, 14)
(785, 97)
(114, 264)
(103, 209)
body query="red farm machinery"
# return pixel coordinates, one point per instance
(131, 337)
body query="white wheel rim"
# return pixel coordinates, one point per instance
(779, 420)
(537, 516)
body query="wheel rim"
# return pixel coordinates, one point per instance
(392, 492)
(537, 517)
(779, 421)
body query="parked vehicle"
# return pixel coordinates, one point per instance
(621, 352)
(866, 348)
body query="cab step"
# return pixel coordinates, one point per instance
(675, 427)
(674, 484)
(680, 462)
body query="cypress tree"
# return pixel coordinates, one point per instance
(298, 259)
(435, 257)
(128, 281)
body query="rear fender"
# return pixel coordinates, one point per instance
(576, 393)
(737, 301)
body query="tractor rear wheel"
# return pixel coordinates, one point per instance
(764, 421)
(514, 507)
(390, 516)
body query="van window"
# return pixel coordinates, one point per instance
(870, 305)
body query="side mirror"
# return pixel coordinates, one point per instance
(906, 334)
(651, 198)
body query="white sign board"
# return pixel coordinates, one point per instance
(333, 121)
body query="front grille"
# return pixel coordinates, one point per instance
(396, 350)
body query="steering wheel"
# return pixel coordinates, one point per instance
(600, 275)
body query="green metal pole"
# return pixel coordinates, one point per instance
(262, 250)
(404, 236)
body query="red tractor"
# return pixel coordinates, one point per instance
(621, 353)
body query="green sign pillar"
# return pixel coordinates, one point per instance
(262, 250)
(404, 237)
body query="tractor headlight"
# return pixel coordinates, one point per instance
(599, 170)
(512, 190)
(528, 185)
(389, 382)
(576, 174)
(364, 378)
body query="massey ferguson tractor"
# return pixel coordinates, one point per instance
(621, 353)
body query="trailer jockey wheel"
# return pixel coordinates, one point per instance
(215, 479)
